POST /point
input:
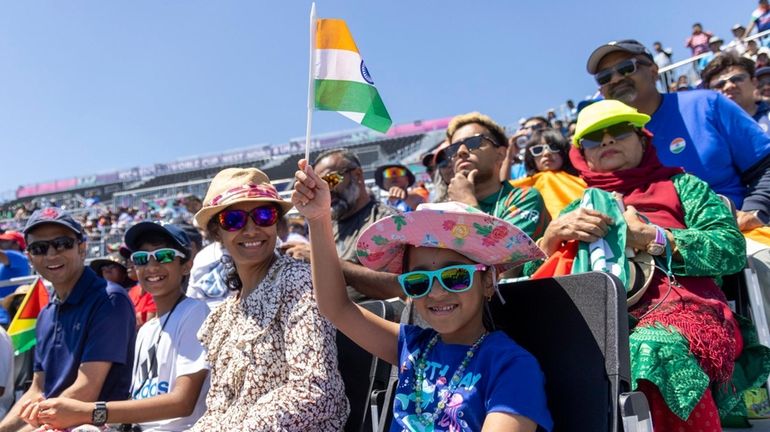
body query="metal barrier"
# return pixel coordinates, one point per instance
(21, 280)
(672, 72)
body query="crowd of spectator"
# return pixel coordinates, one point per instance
(220, 313)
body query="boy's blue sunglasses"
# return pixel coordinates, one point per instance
(456, 279)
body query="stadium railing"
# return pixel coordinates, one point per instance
(672, 72)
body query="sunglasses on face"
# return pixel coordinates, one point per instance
(534, 128)
(441, 160)
(393, 172)
(471, 143)
(455, 279)
(59, 244)
(539, 149)
(233, 220)
(624, 68)
(617, 132)
(334, 178)
(763, 82)
(162, 256)
(735, 79)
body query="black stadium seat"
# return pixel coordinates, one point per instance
(577, 328)
(361, 372)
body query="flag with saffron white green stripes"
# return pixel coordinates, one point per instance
(342, 82)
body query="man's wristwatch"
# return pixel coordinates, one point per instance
(99, 416)
(658, 246)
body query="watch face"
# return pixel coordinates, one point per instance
(655, 249)
(100, 416)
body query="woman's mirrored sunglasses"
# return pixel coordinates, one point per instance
(234, 220)
(471, 143)
(456, 279)
(59, 244)
(624, 68)
(539, 149)
(618, 132)
(162, 256)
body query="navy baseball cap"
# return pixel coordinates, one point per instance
(762, 71)
(53, 215)
(631, 46)
(175, 235)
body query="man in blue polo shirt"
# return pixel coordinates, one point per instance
(85, 335)
(700, 130)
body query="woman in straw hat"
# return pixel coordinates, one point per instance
(685, 344)
(447, 256)
(273, 358)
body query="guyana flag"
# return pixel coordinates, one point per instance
(22, 328)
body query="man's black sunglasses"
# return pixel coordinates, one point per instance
(59, 244)
(471, 143)
(624, 68)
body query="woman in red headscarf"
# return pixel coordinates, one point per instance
(686, 341)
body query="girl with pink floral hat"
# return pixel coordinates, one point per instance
(459, 374)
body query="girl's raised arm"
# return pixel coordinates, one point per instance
(378, 336)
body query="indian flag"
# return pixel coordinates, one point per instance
(22, 328)
(342, 82)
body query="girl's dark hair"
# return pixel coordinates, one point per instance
(229, 272)
(486, 318)
(554, 139)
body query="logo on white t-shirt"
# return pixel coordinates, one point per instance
(677, 145)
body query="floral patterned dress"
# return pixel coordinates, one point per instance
(273, 359)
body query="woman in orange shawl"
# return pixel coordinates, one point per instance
(550, 171)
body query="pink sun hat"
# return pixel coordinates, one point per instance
(470, 232)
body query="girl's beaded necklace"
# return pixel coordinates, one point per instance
(453, 383)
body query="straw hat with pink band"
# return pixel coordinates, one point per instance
(234, 185)
(466, 230)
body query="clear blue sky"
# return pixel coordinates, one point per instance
(93, 86)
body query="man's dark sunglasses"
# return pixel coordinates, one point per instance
(59, 244)
(624, 68)
(471, 143)
(735, 79)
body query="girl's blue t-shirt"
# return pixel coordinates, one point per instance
(501, 377)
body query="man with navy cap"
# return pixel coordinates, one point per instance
(85, 334)
(763, 83)
(702, 131)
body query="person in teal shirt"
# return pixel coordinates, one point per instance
(476, 151)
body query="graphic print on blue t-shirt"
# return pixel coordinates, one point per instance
(433, 389)
(501, 377)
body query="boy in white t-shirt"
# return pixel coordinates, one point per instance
(170, 376)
